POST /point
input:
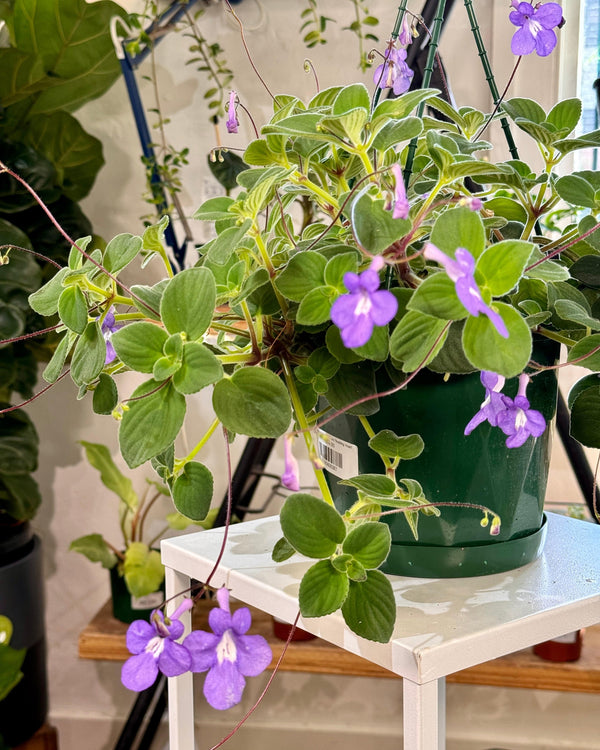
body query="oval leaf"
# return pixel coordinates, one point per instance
(323, 590)
(188, 302)
(193, 490)
(311, 526)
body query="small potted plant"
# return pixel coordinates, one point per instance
(136, 572)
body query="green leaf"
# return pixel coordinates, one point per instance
(199, 368)
(486, 349)
(577, 191)
(437, 297)
(55, 366)
(89, 355)
(75, 46)
(225, 244)
(373, 485)
(350, 97)
(459, 227)
(24, 74)
(568, 310)
(585, 417)
(315, 307)
(586, 352)
(508, 208)
(377, 347)
(142, 435)
(589, 381)
(369, 543)
(19, 443)
(565, 115)
(253, 402)
(375, 228)
(587, 271)
(417, 339)
(99, 457)
(259, 154)
(351, 383)
(139, 345)
(45, 300)
(347, 127)
(147, 298)
(370, 608)
(120, 251)
(23, 498)
(193, 490)
(106, 396)
(527, 109)
(323, 590)
(76, 155)
(303, 273)
(214, 209)
(94, 547)
(502, 265)
(73, 309)
(143, 570)
(390, 445)
(188, 302)
(313, 527)
(282, 550)
(338, 265)
(397, 131)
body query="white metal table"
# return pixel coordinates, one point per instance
(443, 625)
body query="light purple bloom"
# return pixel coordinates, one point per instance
(493, 403)
(517, 420)
(154, 648)
(232, 121)
(227, 653)
(406, 35)
(535, 27)
(472, 202)
(109, 326)
(364, 307)
(401, 205)
(291, 474)
(393, 73)
(461, 270)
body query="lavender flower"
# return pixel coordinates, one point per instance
(232, 121)
(493, 403)
(364, 307)
(154, 648)
(401, 205)
(535, 27)
(227, 653)
(291, 474)
(393, 73)
(517, 420)
(108, 327)
(461, 270)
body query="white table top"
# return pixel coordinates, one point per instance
(443, 625)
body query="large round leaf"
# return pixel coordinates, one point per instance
(192, 491)
(253, 402)
(188, 302)
(323, 590)
(313, 527)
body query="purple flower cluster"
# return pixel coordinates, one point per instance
(394, 73)
(535, 27)
(513, 416)
(227, 654)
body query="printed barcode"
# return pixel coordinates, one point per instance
(335, 458)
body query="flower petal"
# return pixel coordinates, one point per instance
(174, 659)
(241, 621)
(201, 647)
(138, 635)
(523, 42)
(359, 333)
(383, 307)
(545, 42)
(219, 620)
(139, 672)
(223, 686)
(549, 15)
(253, 654)
(343, 310)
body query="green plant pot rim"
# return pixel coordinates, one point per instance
(421, 561)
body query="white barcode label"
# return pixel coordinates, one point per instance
(150, 601)
(338, 456)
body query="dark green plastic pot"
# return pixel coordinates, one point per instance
(455, 468)
(126, 607)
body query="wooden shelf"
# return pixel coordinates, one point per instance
(104, 639)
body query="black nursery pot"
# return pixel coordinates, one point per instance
(24, 709)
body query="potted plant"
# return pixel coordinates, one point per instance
(136, 572)
(373, 251)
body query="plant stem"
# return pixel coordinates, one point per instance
(305, 429)
(198, 447)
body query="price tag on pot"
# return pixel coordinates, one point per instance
(338, 456)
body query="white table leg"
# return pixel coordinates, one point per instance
(181, 691)
(424, 715)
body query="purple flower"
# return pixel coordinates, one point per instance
(517, 420)
(473, 203)
(401, 205)
(291, 474)
(393, 73)
(108, 327)
(363, 307)
(232, 121)
(406, 35)
(461, 270)
(154, 648)
(493, 403)
(227, 653)
(535, 27)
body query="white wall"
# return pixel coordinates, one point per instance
(88, 704)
